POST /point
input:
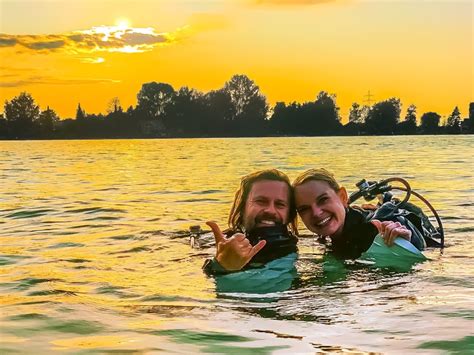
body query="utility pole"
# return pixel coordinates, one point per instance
(369, 98)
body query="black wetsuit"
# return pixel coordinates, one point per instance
(357, 235)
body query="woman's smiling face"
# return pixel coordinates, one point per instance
(322, 209)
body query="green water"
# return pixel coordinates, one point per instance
(93, 257)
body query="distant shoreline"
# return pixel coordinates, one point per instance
(238, 109)
(229, 137)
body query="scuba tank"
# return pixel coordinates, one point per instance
(392, 209)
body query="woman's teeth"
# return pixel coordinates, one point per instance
(323, 222)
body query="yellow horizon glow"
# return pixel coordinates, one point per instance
(292, 51)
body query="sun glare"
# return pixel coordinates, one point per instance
(122, 23)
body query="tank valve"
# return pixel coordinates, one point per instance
(194, 233)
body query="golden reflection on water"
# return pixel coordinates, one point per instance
(92, 342)
(93, 228)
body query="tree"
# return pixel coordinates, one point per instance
(384, 116)
(21, 114)
(327, 120)
(80, 113)
(320, 117)
(279, 118)
(154, 99)
(411, 114)
(409, 125)
(250, 106)
(453, 124)
(186, 115)
(471, 117)
(3, 127)
(47, 122)
(430, 123)
(355, 114)
(114, 106)
(117, 123)
(220, 112)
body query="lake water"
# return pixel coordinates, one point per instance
(93, 257)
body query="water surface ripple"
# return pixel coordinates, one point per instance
(94, 256)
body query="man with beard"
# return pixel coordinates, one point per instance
(262, 224)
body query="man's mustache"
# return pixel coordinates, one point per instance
(267, 217)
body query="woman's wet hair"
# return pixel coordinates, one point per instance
(317, 175)
(236, 216)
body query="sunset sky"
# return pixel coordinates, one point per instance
(64, 52)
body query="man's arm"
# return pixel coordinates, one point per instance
(233, 253)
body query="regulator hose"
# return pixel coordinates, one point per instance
(368, 190)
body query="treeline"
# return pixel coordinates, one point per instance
(238, 109)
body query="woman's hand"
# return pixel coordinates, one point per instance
(391, 230)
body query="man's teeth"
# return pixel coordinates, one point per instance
(268, 223)
(324, 221)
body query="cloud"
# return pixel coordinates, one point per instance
(16, 70)
(136, 39)
(45, 45)
(96, 39)
(97, 60)
(41, 80)
(6, 41)
(3, 76)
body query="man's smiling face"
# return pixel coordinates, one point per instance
(267, 204)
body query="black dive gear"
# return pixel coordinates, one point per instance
(357, 235)
(280, 242)
(391, 209)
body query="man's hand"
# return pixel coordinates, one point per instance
(235, 252)
(391, 230)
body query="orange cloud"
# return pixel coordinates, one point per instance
(35, 80)
(96, 39)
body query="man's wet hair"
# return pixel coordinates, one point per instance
(236, 216)
(317, 175)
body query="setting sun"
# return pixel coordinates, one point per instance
(122, 23)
